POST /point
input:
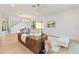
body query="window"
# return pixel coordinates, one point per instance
(39, 25)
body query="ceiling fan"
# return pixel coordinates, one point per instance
(26, 16)
(37, 5)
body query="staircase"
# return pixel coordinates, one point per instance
(15, 25)
(19, 25)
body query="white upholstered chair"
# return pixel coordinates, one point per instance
(54, 44)
(63, 41)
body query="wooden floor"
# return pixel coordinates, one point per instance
(9, 45)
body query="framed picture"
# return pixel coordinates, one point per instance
(51, 24)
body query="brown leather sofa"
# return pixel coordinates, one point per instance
(35, 43)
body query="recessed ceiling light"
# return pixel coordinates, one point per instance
(12, 5)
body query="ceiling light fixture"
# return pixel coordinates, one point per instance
(25, 15)
(37, 5)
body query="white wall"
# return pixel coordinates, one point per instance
(67, 23)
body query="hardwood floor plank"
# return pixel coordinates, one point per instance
(10, 44)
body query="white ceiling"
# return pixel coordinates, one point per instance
(44, 9)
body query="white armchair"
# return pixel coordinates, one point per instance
(63, 41)
(53, 44)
